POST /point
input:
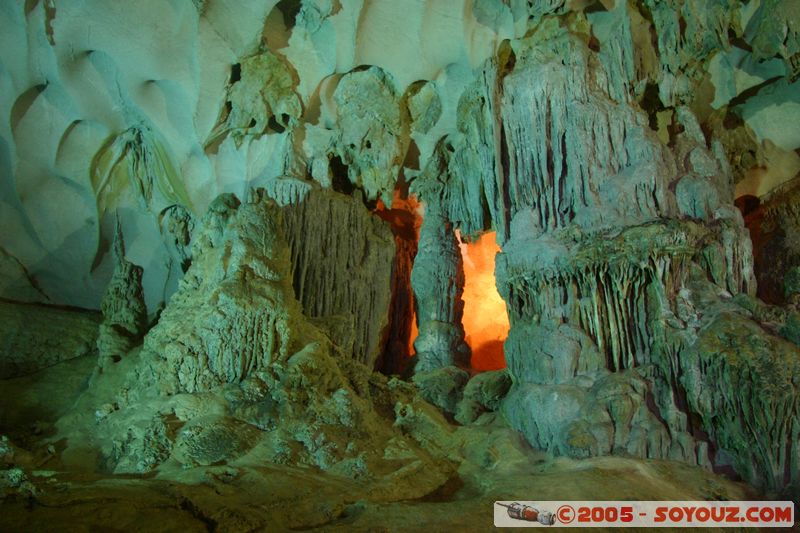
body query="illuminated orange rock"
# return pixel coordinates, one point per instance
(405, 220)
(485, 317)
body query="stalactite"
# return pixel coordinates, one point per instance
(342, 257)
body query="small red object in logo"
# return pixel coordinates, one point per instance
(565, 514)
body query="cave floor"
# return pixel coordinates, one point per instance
(280, 499)
(244, 496)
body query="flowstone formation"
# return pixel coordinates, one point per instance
(341, 257)
(234, 368)
(234, 310)
(233, 252)
(602, 226)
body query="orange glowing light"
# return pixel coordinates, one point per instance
(405, 218)
(414, 333)
(485, 317)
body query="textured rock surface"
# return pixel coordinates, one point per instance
(235, 311)
(443, 387)
(370, 136)
(263, 96)
(405, 220)
(139, 121)
(600, 223)
(234, 371)
(438, 281)
(341, 260)
(733, 368)
(123, 308)
(231, 100)
(483, 393)
(776, 250)
(34, 337)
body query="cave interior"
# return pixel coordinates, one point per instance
(344, 264)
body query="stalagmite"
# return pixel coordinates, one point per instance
(438, 279)
(124, 311)
(234, 310)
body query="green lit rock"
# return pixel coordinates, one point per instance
(443, 387)
(743, 383)
(483, 393)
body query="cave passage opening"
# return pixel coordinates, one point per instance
(485, 318)
(405, 220)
